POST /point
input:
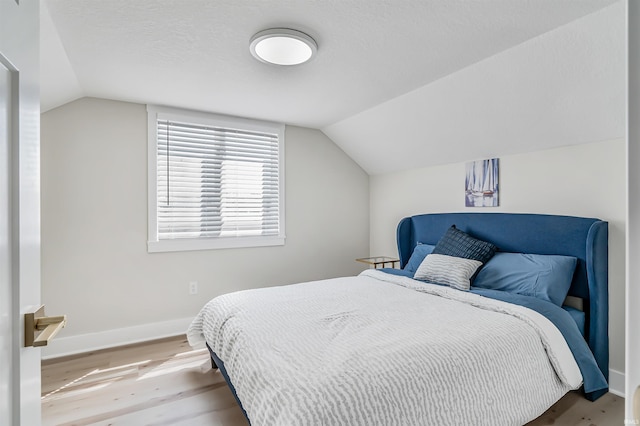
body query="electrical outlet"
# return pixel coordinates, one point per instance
(193, 287)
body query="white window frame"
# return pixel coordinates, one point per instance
(154, 244)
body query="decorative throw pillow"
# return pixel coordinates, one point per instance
(460, 244)
(420, 251)
(453, 271)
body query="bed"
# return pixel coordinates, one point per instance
(384, 348)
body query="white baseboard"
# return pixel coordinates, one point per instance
(73, 345)
(616, 382)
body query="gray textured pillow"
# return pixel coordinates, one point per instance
(453, 271)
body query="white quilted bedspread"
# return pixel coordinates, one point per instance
(379, 349)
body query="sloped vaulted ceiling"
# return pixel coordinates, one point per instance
(396, 84)
(564, 87)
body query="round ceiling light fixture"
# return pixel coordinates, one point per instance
(283, 46)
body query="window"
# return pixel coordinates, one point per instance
(214, 181)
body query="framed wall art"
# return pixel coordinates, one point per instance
(482, 183)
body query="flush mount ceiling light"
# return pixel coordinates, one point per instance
(282, 46)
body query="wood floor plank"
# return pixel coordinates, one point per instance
(574, 409)
(192, 410)
(166, 382)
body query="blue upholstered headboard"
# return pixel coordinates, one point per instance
(584, 238)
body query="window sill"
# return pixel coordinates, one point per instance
(191, 244)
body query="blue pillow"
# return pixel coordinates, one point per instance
(419, 253)
(458, 243)
(547, 277)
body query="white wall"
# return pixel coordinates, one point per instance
(582, 180)
(96, 268)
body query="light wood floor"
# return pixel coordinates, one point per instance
(165, 382)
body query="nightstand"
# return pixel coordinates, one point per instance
(379, 261)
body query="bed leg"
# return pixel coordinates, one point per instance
(213, 364)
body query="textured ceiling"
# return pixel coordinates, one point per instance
(194, 53)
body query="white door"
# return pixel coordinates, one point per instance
(19, 209)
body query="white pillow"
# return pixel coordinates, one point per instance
(449, 270)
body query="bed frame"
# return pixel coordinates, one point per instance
(583, 238)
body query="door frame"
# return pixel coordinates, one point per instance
(20, 52)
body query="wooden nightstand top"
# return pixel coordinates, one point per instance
(379, 261)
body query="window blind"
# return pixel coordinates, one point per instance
(216, 182)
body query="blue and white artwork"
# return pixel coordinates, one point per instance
(481, 185)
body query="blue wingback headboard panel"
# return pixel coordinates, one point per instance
(583, 238)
